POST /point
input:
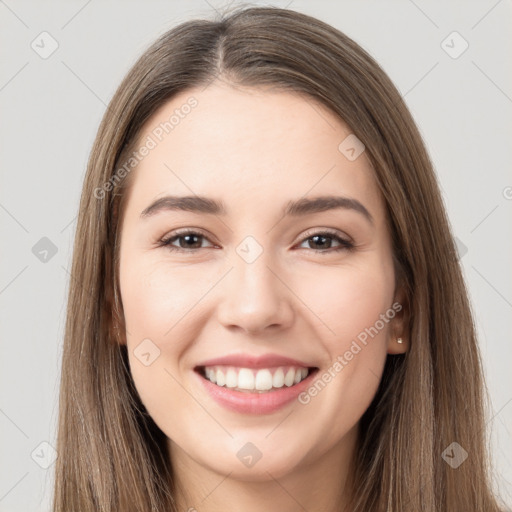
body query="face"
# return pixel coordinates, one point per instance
(255, 293)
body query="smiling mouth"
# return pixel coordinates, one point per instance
(255, 380)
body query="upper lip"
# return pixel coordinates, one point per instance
(248, 361)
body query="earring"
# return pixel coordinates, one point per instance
(399, 340)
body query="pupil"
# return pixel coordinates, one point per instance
(316, 237)
(189, 238)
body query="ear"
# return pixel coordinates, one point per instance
(399, 324)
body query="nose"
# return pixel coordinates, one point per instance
(255, 298)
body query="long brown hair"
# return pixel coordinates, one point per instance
(112, 456)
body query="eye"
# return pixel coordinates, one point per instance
(191, 241)
(188, 241)
(324, 239)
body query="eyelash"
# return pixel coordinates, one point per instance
(345, 245)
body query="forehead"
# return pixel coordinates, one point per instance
(251, 146)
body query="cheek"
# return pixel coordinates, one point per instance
(354, 305)
(157, 297)
(163, 303)
(158, 302)
(350, 301)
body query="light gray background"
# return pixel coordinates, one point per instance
(50, 111)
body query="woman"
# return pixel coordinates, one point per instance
(267, 311)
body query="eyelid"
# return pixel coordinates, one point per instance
(326, 231)
(186, 231)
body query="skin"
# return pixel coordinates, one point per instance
(256, 149)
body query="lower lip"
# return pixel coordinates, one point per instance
(255, 403)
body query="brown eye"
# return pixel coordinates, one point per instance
(323, 242)
(188, 241)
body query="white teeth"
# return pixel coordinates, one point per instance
(263, 380)
(255, 380)
(231, 378)
(289, 377)
(303, 375)
(245, 379)
(220, 378)
(278, 378)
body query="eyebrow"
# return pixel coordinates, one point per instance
(300, 207)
